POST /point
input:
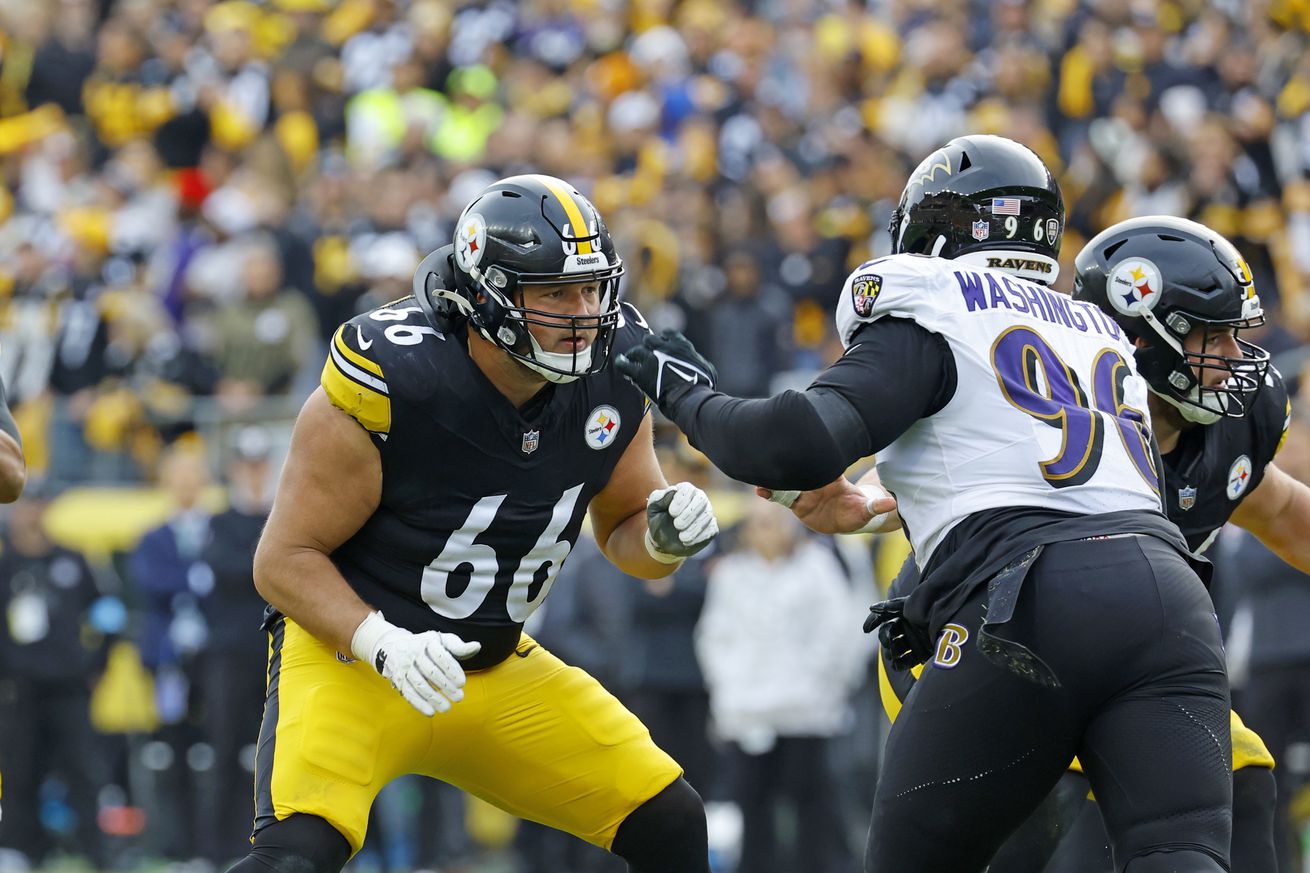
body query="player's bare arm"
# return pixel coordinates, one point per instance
(641, 524)
(1278, 512)
(331, 484)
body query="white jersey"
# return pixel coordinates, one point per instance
(1048, 409)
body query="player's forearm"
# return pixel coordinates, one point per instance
(305, 586)
(780, 442)
(626, 549)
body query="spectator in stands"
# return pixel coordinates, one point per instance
(169, 572)
(230, 667)
(263, 339)
(781, 660)
(49, 658)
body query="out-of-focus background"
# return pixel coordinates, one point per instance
(193, 195)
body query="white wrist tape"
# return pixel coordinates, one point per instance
(364, 643)
(872, 493)
(663, 557)
(786, 498)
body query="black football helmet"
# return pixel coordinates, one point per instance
(521, 231)
(1161, 277)
(986, 200)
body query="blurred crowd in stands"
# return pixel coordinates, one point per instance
(194, 194)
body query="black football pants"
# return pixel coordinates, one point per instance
(1130, 632)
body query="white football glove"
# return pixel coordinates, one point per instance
(424, 667)
(679, 522)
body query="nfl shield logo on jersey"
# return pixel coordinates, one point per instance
(981, 230)
(1186, 498)
(864, 290)
(531, 440)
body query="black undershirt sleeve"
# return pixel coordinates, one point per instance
(894, 373)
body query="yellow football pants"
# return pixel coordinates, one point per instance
(533, 736)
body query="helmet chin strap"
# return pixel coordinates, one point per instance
(573, 366)
(1194, 409)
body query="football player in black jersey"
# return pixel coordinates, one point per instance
(440, 477)
(1220, 413)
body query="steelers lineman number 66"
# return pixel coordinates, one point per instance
(480, 563)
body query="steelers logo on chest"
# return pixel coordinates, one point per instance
(602, 427)
(1239, 476)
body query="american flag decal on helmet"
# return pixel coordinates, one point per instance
(1005, 206)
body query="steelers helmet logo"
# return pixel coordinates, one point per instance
(470, 240)
(602, 427)
(1239, 476)
(1135, 286)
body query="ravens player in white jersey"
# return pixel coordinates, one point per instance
(436, 483)
(1219, 413)
(1009, 423)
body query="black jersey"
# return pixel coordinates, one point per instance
(1214, 467)
(481, 502)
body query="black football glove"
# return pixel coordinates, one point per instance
(664, 366)
(907, 644)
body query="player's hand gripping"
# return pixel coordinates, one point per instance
(840, 507)
(424, 667)
(664, 366)
(679, 522)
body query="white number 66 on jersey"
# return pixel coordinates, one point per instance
(548, 552)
